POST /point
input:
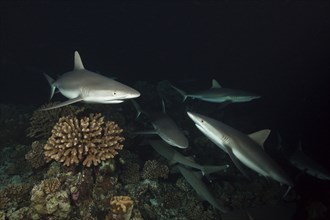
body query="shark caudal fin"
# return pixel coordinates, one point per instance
(51, 83)
(183, 93)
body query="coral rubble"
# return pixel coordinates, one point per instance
(89, 140)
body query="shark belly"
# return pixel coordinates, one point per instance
(249, 162)
(69, 93)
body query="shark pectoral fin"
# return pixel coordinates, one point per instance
(68, 102)
(260, 136)
(237, 163)
(213, 169)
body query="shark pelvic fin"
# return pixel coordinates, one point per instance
(215, 84)
(68, 102)
(51, 83)
(260, 136)
(78, 65)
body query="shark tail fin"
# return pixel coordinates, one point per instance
(51, 83)
(183, 93)
(206, 170)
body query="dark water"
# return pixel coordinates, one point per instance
(279, 50)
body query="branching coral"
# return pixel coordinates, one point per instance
(42, 122)
(89, 140)
(152, 169)
(36, 155)
(121, 207)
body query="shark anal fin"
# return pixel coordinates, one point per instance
(237, 163)
(68, 102)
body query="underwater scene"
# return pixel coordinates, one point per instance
(165, 110)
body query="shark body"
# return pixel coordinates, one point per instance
(218, 94)
(306, 164)
(245, 149)
(83, 85)
(174, 156)
(194, 179)
(165, 127)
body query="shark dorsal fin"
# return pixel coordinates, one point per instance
(78, 65)
(260, 136)
(215, 84)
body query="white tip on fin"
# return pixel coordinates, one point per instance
(78, 65)
(260, 136)
(215, 84)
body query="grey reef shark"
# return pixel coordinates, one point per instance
(305, 163)
(81, 84)
(242, 148)
(194, 179)
(218, 94)
(175, 157)
(164, 126)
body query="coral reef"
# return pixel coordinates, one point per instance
(36, 155)
(14, 196)
(49, 200)
(153, 169)
(130, 173)
(42, 122)
(89, 140)
(120, 208)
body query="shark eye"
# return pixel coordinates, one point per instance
(114, 93)
(202, 121)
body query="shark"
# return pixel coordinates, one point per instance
(218, 94)
(194, 179)
(176, 157)
(164, 127)
(306, 164)
(242, 148)
(81, 84)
